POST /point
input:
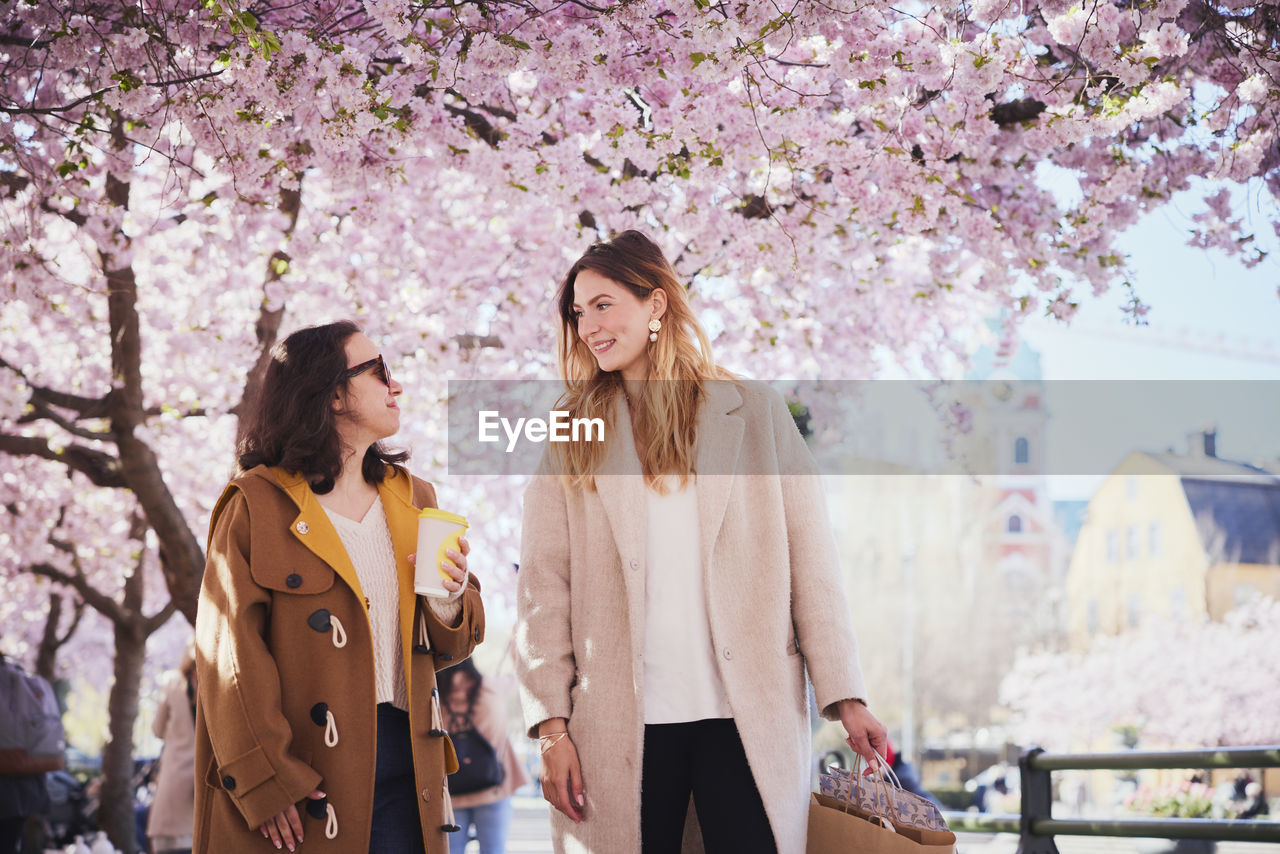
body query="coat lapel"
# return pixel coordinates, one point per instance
(312, 528)
(621, 492)
(719, 443)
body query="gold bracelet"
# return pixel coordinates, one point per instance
(550, 740)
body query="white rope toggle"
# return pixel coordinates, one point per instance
(330, 729)
(331, 826)
(339, 633)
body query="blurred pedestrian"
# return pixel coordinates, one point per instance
(316, 659)
(907, 774)
(172, 814)
(477, 708)
(667, 616)
(32, 743)
(1255, 804)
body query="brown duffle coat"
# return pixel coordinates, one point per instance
(279, 596)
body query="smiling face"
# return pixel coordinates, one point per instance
(614, 323)
(367, 411)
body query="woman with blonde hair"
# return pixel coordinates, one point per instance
(676, 582)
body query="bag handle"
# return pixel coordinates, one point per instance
(882, 787)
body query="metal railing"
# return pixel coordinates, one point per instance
(1037, 827)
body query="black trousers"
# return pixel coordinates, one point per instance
(11, 834)
(396, 826)
(703, 758)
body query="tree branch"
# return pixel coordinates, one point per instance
(18, 41)
(1015, 112)
(86, 407)
(159, 618)
(42, 412)
(267, 329)
(102, 469)
(94, 598)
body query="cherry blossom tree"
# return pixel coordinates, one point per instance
(1221, 692)
(181, 181)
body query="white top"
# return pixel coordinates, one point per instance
(368, 544)
(681, 678)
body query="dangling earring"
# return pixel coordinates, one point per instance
(654, 326)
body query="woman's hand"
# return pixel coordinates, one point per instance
(284, 827)
(561, 772)
(458, 568)
(455, 566)
(867, 736)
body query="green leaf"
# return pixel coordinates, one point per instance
(512, 41)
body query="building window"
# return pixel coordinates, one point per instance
(1134, 610)
(1178, 602)
(1092, 616)
(1113, 546)
(1021, 450)
(1153, 539)
(1132, 542)
(1015, 524)
(1131, 484)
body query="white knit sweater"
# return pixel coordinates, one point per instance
(368, 544)
(681, 678)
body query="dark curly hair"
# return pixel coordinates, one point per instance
(292, 424)
(445, 679)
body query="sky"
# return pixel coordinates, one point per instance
(1210, 319)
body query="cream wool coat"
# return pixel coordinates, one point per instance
(774, 596)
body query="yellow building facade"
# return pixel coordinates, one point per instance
(1169, 536)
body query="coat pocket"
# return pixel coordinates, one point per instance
(289, 578)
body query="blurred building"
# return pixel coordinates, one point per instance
(950, 575)
(1174, 535)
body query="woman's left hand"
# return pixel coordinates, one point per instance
(456, 566)
(867, 736)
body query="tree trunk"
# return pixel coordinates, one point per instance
(115, 806)
(50, 640)
(47, 652)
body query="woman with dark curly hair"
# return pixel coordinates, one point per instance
(318, 713)
(476, 708)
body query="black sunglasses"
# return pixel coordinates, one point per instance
(379, 366)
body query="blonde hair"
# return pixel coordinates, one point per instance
(680, 362)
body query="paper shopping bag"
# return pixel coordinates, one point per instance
(833, 830)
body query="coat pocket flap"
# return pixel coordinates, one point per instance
(245, 773)
(292, 578)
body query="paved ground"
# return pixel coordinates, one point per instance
(530, 835)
